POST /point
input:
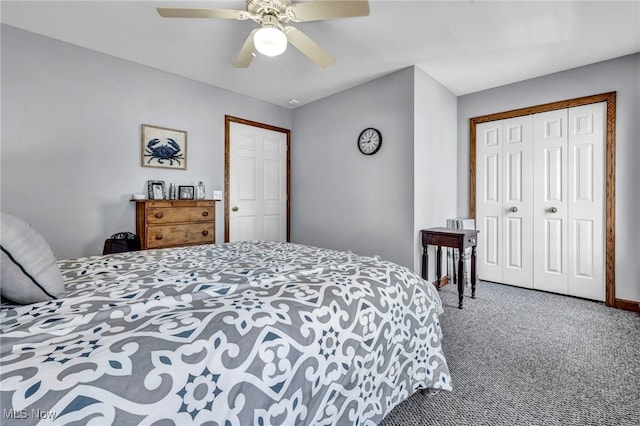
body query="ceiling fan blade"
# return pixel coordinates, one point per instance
(310, 48)
(247, 52)
(330, 9)
(179, 12)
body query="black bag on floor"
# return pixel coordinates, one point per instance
(121, 242)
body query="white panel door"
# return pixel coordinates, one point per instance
(489, 211)
(517, 206)
(257, 184)
(586, 194)
(550, 201)
(540, 197)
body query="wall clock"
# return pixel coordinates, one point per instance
(369, 141)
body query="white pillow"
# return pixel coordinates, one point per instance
(29, 272)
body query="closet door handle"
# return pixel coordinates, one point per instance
(513, 209)
(552, 210)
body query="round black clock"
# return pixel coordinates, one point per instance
(370, 141)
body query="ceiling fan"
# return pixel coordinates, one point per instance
(273, 16)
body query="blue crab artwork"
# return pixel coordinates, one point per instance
(164, 152)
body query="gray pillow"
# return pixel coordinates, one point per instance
(29, 272)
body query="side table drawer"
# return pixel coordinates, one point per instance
(159, 215)
(470, 241)
(180, 234)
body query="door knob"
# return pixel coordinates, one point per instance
(234, 208)
(513, 209)
(552, 210)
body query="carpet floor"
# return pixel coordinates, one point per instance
(524, 357)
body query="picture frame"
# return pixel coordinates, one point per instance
(186, 192)
(163, 147)
(156, 190)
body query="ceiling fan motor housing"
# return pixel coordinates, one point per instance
(270, 21)
(276, 8)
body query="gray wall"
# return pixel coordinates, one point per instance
(346, 200)
(621, 75)
(375, 205)
(435, 156)
(71, 137)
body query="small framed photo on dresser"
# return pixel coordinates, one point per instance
(185, 192)
(155, 189)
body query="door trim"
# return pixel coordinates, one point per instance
(610, 171)
(228, 119)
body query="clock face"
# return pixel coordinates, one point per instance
(370, 141)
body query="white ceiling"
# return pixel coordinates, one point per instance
(465, 45)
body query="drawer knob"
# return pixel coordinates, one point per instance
(205, 213)
(205, 233)
(158, 236)
(159, 215)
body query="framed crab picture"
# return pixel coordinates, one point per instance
(164, 147)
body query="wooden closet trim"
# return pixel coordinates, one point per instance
(610, 171)
(228, 119)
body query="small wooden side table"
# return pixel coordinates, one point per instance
(460, 239)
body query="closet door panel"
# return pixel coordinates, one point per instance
(518, 201)
(586, 197)
(550, 201)
(489, 200)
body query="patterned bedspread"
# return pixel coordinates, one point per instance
(251, 333)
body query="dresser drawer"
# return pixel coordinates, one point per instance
(158, 236)
(160, 215)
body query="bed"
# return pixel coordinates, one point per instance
(246, 333)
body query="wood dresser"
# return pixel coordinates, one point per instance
(174, 223)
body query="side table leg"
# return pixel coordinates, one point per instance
(454, 278)
(460, 277)
(473, 272)
(425, 263)
(438, 267)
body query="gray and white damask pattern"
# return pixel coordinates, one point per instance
(249, 333)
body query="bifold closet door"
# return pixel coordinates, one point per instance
(540, 201)
(569, 148)
(505, 201)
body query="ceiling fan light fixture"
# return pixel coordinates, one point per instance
(270, 40)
